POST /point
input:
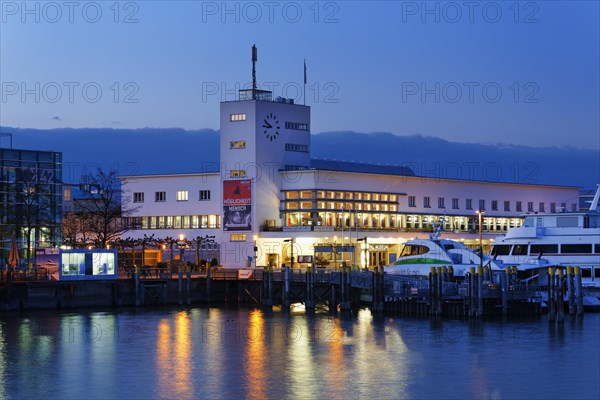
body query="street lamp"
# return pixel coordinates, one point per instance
(480, 215)
(181, 243)
(255, 237)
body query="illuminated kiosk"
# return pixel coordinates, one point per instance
(83, 264)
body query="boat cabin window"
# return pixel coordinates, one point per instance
(519, 250)
(586, 273)
(413, 250)
(544, 249)
(596, 272)
(501, 250)
(528, 222)
(576, 248)
(597, 250)
(567, 222)
(449, 246)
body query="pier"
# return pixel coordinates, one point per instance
(480, 294)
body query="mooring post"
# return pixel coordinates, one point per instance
(504, 276)
(472, 292)
(180, 283)
(551, 303)
(136, 278)
(571, 291)
(189, 284)
(310, 302)
(286, 289)
(432, 290)
(450, 273)
(208, 268)
(560, 297)
(440, 286)
(578, 291)
(479, 291)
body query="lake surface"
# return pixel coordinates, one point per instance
(224, 353)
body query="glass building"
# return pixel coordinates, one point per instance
(30, 201)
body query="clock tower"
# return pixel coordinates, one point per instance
(259, 137)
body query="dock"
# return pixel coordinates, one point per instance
(480, 294)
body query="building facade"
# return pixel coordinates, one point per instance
(270, 203)
(30, 200)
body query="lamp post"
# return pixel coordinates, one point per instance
(182, 244)
(255, 237)
(480, 215)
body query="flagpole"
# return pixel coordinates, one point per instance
(304, 94)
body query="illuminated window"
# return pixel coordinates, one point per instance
(237, 144)
(182, 195)
(237, 117)
(67, 195)
(237, 237)
(306, 204)
(291, 195)
(237, 173)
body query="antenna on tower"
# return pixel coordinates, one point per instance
(254, 59)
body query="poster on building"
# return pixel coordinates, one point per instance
(237, 205)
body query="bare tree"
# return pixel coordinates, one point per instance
(99, 210)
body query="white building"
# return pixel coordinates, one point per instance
(268, 190)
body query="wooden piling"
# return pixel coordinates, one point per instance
(189, 284)
(310, 287)
(472, 292)
(479, 291)
(440, 285)
(571, 291)
(136, 280)
(180, 283)
(578, 291)
(208, 268)
(504, 276)
(560, 297)
(285, 303)
(551, 300)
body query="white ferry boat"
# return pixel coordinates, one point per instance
(417, 256)
(555, 239)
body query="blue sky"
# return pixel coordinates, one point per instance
(525, 73)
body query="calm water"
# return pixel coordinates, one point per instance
(240, 353)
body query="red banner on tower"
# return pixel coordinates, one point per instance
(237, 205)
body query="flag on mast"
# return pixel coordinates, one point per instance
(305, 71)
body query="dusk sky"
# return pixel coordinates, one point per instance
(487, 72)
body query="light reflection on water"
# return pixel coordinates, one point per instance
(239, 353)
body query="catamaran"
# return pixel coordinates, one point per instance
(417, 256)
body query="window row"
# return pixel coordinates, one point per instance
(296, 147)
(494, 204)
(336, 195)
(299, 126)
(330, 205)
(180, 195)
(237, 117)
(174, 222)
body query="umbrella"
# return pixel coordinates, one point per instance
(13, 257)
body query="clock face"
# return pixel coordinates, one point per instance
(271, 127)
